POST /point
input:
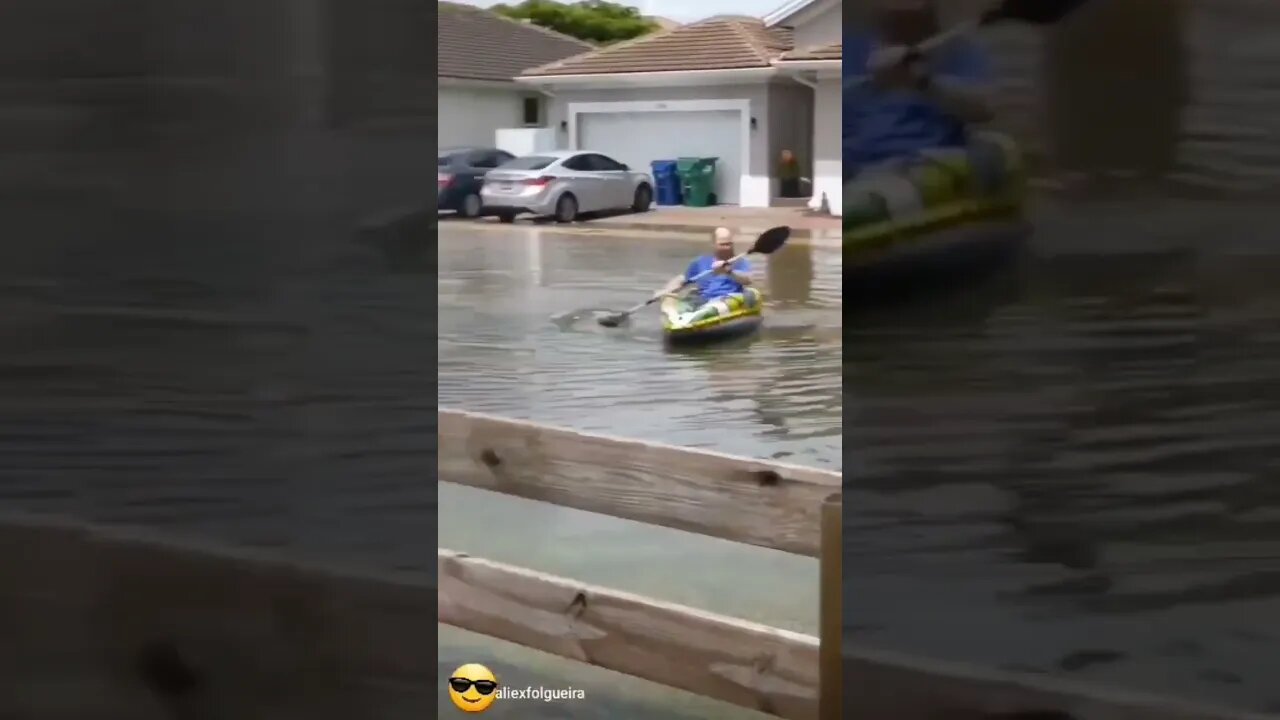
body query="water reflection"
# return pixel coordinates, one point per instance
(790, 275)
(774, 394)
(1115, 84)
(1081, 467)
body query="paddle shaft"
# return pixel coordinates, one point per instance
(1004, 11)
(686, 283)
(934, 42)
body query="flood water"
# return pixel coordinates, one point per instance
(1080, 458)
(1070, 468)
(773, 396)
(776, 395)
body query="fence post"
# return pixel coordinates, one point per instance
(831, 627)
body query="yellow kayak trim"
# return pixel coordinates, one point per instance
(740, 312)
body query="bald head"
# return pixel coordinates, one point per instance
(722, 238)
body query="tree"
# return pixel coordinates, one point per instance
(596, 21)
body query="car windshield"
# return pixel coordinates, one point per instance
(444, 161)
(529, 162)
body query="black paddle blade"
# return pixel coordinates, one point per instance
(770, 240)
(612, 320)
(1038, 12)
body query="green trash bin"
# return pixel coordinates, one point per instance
(697, 180)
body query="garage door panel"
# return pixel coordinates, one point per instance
(639, 138)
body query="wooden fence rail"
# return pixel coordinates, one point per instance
(104, 623)
(750, 665)
(767, 504)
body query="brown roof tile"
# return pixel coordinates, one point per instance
(826, 52)
(475, 44)
(718, 43)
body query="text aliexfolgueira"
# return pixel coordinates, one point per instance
(544, 694)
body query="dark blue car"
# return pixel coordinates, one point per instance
(460, 173)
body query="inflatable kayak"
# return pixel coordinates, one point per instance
(942, 215)
(684, 320)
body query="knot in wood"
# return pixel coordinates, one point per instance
(768, 478)
(164, 670)
(1031, 715)
(577, 606)
(490, 458)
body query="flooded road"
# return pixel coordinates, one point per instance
(1080, 456)
(1072, 468)
(774, 396)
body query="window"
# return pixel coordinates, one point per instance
(581, 163)
(485, 159)
(604, 164)
(532, 111)
(529, 162)
(444, 160)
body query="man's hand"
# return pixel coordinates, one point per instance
(722, 267)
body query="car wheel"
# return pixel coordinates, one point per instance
(644, 196)
(566, 208)
(507, 217)
(471, 206)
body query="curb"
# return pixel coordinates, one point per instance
(800, 236)
(753, 229)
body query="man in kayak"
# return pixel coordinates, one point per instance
(899, 109)
(720, 284)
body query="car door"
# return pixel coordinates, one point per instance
(480, 162)
(617, 181)
(584, 182)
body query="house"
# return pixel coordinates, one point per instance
(737, 88)
(480, 53)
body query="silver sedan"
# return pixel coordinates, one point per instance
(564, 184)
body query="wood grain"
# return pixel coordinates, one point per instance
(831, 611)
(753, 666)
(110, 624)
(887, 685)
(756, 502)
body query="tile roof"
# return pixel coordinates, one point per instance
(475, 44)
(718, 43)
(826, 52)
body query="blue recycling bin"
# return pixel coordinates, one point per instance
(666, 182)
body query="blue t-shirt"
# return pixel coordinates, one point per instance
(716, 284)
(884, 124)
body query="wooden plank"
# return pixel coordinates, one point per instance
(887, 685)
(753, 666)
(109, 624)
(762, 503)
(831, 612)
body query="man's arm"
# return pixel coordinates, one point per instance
(741, 272)
(672, 285)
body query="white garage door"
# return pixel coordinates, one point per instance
(641, 137)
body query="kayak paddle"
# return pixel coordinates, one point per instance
(1033, 12)
(768, 242)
